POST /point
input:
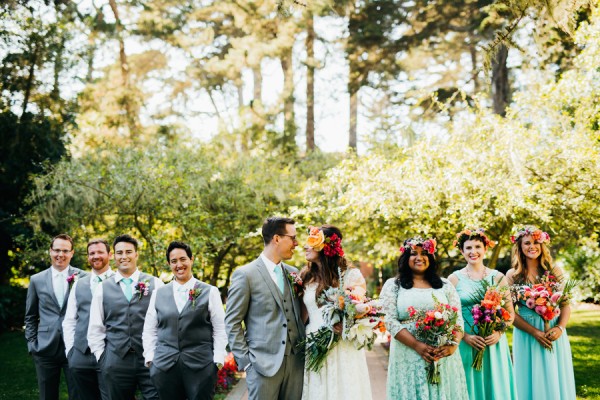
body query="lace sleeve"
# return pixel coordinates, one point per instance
(353, 277)
(454, 300)
(389, 301)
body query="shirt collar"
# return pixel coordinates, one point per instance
(106, 274)
(188, 285)
(64, 273)
(135, 276)
(268, 263)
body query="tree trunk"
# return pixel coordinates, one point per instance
(217, 262)
(289, 124)
(127, 100)
(474, 78)
(352, 137)
(30, 78)
(310, 83)
(500, 85)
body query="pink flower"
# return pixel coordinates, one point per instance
(530, 303)
(555, 297)
(541, 310)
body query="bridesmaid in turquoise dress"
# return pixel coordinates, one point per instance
(540, 373)
(496, 379)
(416, 282)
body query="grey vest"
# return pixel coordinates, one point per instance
(288, 308)
(124, 320)
(187, 335)
(83, 294)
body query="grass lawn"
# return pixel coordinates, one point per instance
(17, 373)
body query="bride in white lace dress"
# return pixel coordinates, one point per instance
(344, 374)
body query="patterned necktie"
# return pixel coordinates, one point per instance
(128, 288)
(279, 275)
(59, 291)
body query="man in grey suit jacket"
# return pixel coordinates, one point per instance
(44, 312)
(262, 297)
(82, 363)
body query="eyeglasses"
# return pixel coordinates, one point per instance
(58, 251)
(293, 237)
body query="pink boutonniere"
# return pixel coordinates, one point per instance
(194, 294)
(71, 279)
(142, 288)
(296, 282)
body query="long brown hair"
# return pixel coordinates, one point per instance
(519, 261)
(326, 275)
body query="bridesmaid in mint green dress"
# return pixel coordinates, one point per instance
(496, 379)
(416, 282)
(540, 373)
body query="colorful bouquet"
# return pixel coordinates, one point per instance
(437, 327)
(489, 315)
(546, 296)
(227, 376)
(359, 315)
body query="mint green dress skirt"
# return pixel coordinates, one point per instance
(540, 373)
(496, 378)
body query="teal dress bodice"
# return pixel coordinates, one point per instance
(496, 378)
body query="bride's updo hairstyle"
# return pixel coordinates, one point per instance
(331, 256)
(404, 276)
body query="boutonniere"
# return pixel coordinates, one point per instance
(295, 281)
(193, 294)
(142, 288)
(71, 279)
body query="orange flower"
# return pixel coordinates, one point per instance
(341, 301)
(505, 314)
(316, 238)
(540, 301)
(537, 235)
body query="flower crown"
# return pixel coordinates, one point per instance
(469, 233)
(537, 234)
(331, 245)
(427, 244)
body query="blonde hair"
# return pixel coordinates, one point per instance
(519, 264)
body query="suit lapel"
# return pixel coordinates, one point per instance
(262, 269)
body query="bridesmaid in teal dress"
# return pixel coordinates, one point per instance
(540, 373)
(416, 282)
(496, 379)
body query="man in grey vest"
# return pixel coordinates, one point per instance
(117, 314)
(82, 363)
(184, 333)
(44, 312)
(262, 297)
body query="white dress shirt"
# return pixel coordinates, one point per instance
(96, 329)
(60, 278)
(217, 320)
(271, 268)
(70, 320)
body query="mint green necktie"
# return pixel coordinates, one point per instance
(279, 275)
(128, 289)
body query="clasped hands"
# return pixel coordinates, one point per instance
(546, 338)
(479, 343)
(431, 354)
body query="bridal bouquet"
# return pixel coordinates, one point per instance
(437, 327)
(359, 315)
(545, 296)
(489, 315)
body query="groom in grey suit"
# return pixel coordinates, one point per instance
(44, 312)
(262, 297)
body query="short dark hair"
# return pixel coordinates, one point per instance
(98, 241)
(275, 226)
(127, 239)
(178, 245)
(62, 236)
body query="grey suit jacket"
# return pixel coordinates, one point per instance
(255, 299)
(43, 315)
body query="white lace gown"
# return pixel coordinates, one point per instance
(345, 374)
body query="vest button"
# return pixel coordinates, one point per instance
(286, 310)
(283, 342)
(285, 325)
